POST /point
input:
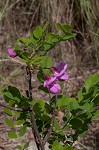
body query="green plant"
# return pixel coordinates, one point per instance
(39, 115)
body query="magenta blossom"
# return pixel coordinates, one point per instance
(51, 84)
(59, 71)
(11, 53)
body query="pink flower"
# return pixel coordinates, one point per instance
(11, 53)
(59, 71)
(51, 84)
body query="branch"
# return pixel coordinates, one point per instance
(50, 130)
(36, 133)
(34, 126)
(14, 108)
(51, 125)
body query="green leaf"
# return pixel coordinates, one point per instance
(60, 27)
(96, 115)
(10, 123)
(47, 46)
(68, 148)
(39, 109)
(67, 28)
(8, 111)
(46, 62)
(36, 60)
(40, 76)
(56, 125)
(86, 106)
(76, 123)
(19, 122)
(63, 101)
(12, 93)
(96, 100)
(38, 32)
(70, 103)
(22, 54)
(41, 104)
(22, 131)
(91, 81)
(68, 36)
(19, 147)
(45, 89)
(12, 135)
(26, 145)
(57, 146)
(45, 26)
(80, 95)
(33, 40)
(25, 41)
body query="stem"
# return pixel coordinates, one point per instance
(50, 130)
(14, 108)
(51, 125)
(36, 134)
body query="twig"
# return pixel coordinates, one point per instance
(14, 60)
(14, 108)
(50, 130)
(51, 125)
(36, 133)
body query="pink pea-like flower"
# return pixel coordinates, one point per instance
(59, 71)
(11, 53)
(51, 84)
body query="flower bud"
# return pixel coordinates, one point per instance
(11, 53)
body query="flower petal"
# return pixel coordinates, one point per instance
(11, 53)
(54, 88)
(61, 66)
(49, 81)
(64, 77)
(60, 69)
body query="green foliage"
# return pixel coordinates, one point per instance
(12, 135)
(19, 122)
(38, 31)
(40, 42)
(12, 93)
(46, 62)
(8, 111)
(26, 145)
(19, 147)
(91, 81)
(22, 131)
(9, 123)
(77, 112)
(58, 146)
(64, 28)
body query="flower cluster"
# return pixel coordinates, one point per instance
(58, 74)
(11, 53)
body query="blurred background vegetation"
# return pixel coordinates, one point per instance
(18, 18)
